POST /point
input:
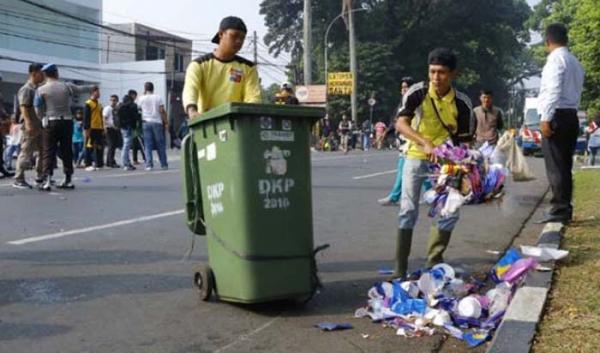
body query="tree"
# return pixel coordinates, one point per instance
(395, 36)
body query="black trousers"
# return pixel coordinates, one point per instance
(57, 137)
(113, 141)
(558, 154)
(94, 148)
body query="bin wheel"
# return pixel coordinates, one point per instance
(204, 281)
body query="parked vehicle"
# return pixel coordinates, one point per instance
(530, 136)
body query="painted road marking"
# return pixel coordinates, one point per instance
(246, 337)
(374, 174)
(93, 228)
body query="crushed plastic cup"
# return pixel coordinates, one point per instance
(411, 288)
(442, 319)
(499, 298)
(447, 270)
(429, 285)
(456, 288)
(469, 307)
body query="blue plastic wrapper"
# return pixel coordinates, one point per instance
(504, 264)
(332, 326)
(385, 272)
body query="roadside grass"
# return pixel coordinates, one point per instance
(571, 322)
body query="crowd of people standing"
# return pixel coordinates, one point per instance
(46, 128)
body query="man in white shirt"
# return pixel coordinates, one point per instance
(560, 95)
(154, 125)
(113, 135)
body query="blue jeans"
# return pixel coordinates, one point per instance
(154, 138)
(8, 155)
(127, 143)
(366, 141)
(413, 176)
(397, 189)
(78, 152)
(592, 156)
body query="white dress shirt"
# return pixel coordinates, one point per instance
(562, 83)
(109, 116)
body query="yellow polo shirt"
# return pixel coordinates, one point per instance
(427, 123)
(210, 82)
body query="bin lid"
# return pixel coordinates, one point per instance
(245, 109)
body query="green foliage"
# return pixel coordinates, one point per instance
(268, 94)
(395, 36)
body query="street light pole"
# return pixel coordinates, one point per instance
(326, 65)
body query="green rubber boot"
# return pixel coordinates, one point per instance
(437, 244)
(403, 244)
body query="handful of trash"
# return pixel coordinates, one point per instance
(463, 176)
(439, 299)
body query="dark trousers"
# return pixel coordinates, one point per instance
(113, 141)
(558, 154)
(95, 148)
(57, 138)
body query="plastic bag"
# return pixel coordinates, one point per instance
(517, 163)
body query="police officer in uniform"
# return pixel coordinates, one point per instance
(53, 104)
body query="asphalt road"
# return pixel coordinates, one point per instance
(102, 268)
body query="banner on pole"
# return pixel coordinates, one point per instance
(340, 83)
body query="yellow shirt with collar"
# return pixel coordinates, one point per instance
(210, 82)
(428, 125)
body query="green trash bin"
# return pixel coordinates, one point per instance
(247, 187)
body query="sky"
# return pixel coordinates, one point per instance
(199, 20)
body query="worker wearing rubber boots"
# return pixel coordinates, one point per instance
(431, 113)
(221, 76)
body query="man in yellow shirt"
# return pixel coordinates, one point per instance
(221, 76)
(430, 114)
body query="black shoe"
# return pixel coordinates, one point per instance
(21, 184)
(66, 184)
(39, 183)
(47, 185)
(6, 174)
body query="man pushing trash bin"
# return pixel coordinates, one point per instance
(221, 76)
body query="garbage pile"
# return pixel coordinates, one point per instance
(439, 300)
(463, 176)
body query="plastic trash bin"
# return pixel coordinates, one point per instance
(247, 187)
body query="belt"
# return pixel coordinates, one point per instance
(54, 118)
(566, 110)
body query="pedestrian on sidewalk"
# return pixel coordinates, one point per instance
(394, 196)
(559, 98)
(431, 113)
(112, 132)
(344, 130)
(53, 104)
(488, 120)
(154, 126)
(221, 76)
(93, 127)
(4, 125)
(78, 140)
(129, 119)
(13, 143)
(593, 131)
(31, 141)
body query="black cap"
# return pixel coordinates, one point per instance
(230, 22)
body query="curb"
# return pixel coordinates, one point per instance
(519, 326)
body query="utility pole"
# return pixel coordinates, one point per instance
(353, 67)
(107, 48)
(255, 42)
(307, 42)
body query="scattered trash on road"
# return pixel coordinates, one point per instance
(544, 254)
(439, 299)
(332, 326)
(385, 272)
